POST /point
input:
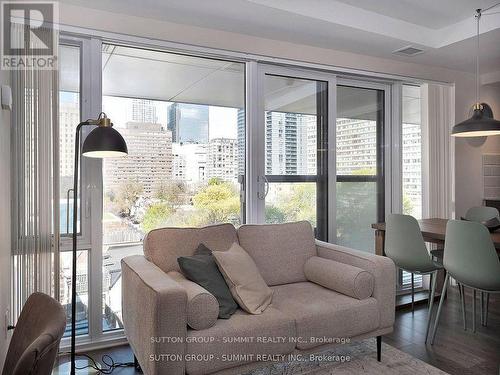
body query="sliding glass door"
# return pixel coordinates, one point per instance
(292, 136)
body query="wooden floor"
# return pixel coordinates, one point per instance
(455, 351)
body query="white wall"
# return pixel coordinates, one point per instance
(5, 218)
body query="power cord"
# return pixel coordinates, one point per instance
(106, 360)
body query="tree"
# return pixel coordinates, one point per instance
(299, 203)
(127, 195)
(274, 215)
(217, 202)
(407, 205)
(156, 216)
(172, 193)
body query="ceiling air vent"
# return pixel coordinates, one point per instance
(408, 51)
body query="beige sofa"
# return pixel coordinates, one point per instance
(304, 317)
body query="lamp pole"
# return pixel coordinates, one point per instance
(102, 142)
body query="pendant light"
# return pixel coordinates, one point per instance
(482, 123)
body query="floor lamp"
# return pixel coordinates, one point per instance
(102, 142)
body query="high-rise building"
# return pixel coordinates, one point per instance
(241, 127)
(69, 117)
(290, 143)
(149, 160)
(188, 123)
(189, 162)
(222, 159)
(356, 146)
(144, 111)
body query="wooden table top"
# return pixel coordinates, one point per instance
(436, 229)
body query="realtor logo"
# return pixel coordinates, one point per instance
(29, 38)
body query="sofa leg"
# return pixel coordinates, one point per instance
(379, 348)
(137, 366)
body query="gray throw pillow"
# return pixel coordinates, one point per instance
(202, 269)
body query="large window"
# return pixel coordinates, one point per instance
(183, 119)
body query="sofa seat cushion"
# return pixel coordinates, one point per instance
(280, 251)
(164, 245)
(321, 314)
(241, 339)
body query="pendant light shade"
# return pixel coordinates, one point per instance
(104, 142)
(481, 124)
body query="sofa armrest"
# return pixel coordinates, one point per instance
(154, 316)
(382, 269)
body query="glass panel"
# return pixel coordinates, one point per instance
(356, 212)
(357, 111)
(295, 114)
(359, 116)
(291, 202)
(82, 290)
(184, 123)
(291, 125)
(411, 164)
(412, 152)
(69, 117)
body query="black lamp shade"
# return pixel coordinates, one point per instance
(104, 142)
(481, 124)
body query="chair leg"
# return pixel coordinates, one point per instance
(412, 293)
(379, 348)
(443, 293)
(486, 309)
(473, 310)
(430, 289)
(431, 301)
(482, 307)
(462, 299)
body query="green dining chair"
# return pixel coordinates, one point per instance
(405, 245)
(480, 214)
(470, 258)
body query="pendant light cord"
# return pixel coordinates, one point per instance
(478, 17)
(479, 13)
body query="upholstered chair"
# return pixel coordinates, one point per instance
(35, 342)
(405, 245)
(470, 258)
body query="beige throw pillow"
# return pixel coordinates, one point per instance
(243, 278)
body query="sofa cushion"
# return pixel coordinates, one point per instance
(202, 269)
(279, 250)
(321, 314)
(244, 280)
(164, 245)
(202, 307)
(243, 338)
(343, 278)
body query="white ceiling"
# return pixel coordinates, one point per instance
(444, 29)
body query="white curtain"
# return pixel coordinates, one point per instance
(35, 230)
(438, 154)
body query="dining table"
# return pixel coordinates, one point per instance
(433, 230)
